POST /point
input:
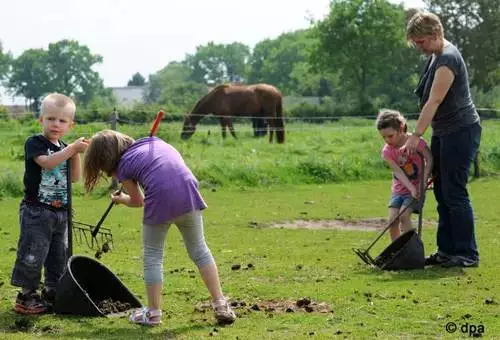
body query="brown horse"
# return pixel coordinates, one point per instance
(224, 101)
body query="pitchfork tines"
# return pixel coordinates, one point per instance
(103, 240)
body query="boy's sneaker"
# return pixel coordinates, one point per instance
(223, 312)
(29, 303)
(49, 298)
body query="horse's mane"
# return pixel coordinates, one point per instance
(203, 99)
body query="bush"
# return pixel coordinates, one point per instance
(10, 184)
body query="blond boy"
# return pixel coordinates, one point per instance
(43, 210)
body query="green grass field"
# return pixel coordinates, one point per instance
(247, 191)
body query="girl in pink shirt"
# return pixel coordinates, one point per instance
(406, 169)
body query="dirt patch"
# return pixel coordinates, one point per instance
(369, 224)
(364, 224)
(305, 305)
(108, 306)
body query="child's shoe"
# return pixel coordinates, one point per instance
(49, 298)
(29, 303)
(223, 312)
(146, 316)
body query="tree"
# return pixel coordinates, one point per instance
(474, 27)
(30, 77)
(172, 87)
(174, 73)
(5, 62)
(284, 62)
(182, 96)
(218, 63)
(66, 67)
(362, 39)
(137, 80)
(70, 69)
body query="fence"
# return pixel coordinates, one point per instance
(114, 120)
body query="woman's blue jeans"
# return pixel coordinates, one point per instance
(453, 155)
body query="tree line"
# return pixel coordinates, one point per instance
(355, 60)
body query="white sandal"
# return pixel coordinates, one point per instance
(223, 312)
(146, 316)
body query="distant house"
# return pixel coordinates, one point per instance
(16, 111)
(128, 96)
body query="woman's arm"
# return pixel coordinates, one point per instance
(440, 86)
(426, 152)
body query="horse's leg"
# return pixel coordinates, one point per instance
(272, 126)
(255, 127)
(223, 127)
(231, 128)
(262, 127)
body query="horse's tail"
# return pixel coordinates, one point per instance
(280, 122)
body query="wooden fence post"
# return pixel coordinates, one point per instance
(114, 126)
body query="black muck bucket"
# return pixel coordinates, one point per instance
(88, 288)
(406, 252)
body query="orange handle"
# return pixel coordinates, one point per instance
(156, 123)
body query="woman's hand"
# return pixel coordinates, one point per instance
(410, 147)
(414, 192)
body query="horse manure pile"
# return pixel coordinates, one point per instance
(304, 305)
(104, 249)
(108, 306)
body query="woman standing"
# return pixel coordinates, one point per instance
(446, 105)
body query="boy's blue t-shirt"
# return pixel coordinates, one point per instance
(43, 186)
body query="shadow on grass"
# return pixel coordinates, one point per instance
(429, 273)
(64, 326)
(137, 332)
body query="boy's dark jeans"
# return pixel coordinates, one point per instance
(453, 155)
(42, 243)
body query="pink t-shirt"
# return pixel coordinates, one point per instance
(411, 166)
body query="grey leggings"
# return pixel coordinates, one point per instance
(191, 227)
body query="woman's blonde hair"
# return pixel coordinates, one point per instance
(391, 119)
(424, 24)
(102, 156)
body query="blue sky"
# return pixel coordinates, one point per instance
(144, 36)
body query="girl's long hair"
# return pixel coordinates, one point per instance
(102, 156)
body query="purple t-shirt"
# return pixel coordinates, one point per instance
(170, 188)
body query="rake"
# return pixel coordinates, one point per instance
(96, 237)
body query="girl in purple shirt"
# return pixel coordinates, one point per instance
(407, 169)
(154, 175)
